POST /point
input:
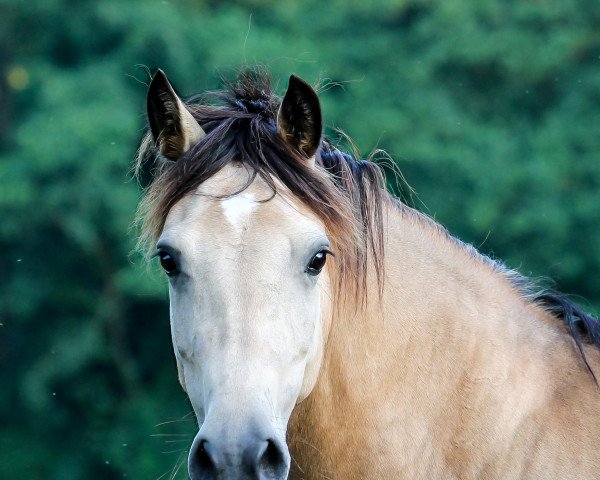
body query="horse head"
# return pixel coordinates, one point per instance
(245, 256)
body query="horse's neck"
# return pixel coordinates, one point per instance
(451, 342)
(446, 310)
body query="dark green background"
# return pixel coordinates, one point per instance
(491, 109)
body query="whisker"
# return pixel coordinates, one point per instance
(185, 418)
(173, 421)
(297, 464)
(168, 452)
(308, 444)
(177, 467)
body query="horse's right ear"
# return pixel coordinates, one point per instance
(173, 127)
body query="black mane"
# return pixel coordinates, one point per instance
(583, 327)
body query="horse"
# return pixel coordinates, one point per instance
(323, 329)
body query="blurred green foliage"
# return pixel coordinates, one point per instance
(490, 108)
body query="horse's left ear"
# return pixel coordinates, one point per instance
(173, 127)
(299, 120)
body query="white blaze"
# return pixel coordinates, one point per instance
(237, 209)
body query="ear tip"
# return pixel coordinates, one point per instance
(296, 81)
(159, 78)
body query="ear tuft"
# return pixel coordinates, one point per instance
(299, 119)
(173, 127)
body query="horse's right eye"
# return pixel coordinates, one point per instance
(168, 263)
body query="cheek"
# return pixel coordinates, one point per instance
(304, 352)
(314, 359)
(183, 336)
(186, 339)
(180, 373)
(304, 325)
(188, 325)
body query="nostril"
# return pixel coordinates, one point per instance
(204, 460)
(201, 465)
(272, 462)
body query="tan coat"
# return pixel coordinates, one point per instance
(458, 376)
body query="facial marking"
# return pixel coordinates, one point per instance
(237, 209)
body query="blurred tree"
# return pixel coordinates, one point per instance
(490, 108)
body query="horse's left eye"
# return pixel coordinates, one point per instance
(168, 263)
(317, 263)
